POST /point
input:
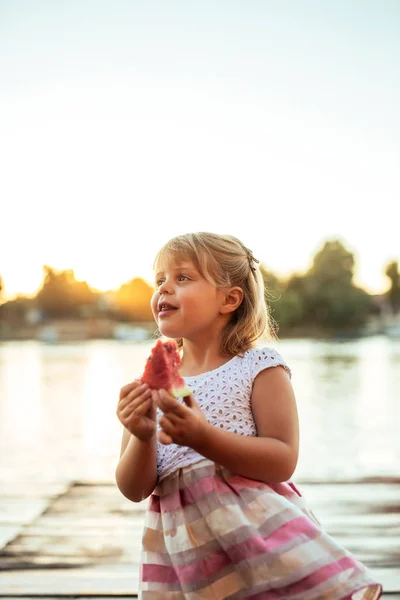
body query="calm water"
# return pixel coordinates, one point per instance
(58, 421)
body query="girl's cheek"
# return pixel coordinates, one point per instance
(153, 303)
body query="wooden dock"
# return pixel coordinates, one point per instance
(83, 540)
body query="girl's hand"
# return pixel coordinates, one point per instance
(136, 410)
(182, 424)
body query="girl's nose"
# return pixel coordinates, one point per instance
(165, 287)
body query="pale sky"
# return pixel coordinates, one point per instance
(123, 123)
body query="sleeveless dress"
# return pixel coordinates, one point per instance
(212, 534)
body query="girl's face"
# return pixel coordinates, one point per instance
(185, 304)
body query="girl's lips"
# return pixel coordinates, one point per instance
(165, 306)
(166, 313)
(166, 309)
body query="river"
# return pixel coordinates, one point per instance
(58, 402)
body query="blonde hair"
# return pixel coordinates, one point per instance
(226, 262)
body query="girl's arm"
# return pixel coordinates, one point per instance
(272, 456)
(136, 472)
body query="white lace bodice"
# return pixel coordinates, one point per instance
(224, 395)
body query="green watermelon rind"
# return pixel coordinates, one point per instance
(181, 392)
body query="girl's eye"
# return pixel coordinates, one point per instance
(179, 278)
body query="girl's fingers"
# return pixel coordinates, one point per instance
(167, 424)
(164, 438)
(190, 401)
(138, 412)
(135, 404)
(155, 395)
(128, 388)
(169, 405)
(170, 419)
(135, 393)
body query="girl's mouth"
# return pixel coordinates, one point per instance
(165, 309)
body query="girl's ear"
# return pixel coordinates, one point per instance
(232, 300)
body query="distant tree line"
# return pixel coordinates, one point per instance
(62, 296)
(392, 272)
(324, 298)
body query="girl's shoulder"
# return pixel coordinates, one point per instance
(258, 359)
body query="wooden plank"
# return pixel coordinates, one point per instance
(389, 596)
(21, 510)
(29, 489)
(8, 533)
(109, 580)
(88, 540)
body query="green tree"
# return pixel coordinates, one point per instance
(61, 295)
(393, 294)
(333, 264)
(331, 300)
(133, 300)
(323, 299)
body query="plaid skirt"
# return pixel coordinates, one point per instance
(211, 534)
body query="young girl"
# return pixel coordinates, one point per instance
(224, 520)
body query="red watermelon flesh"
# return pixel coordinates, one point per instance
(161, 369)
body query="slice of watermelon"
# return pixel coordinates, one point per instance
(161, 369)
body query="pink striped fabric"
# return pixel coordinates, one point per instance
(210, 534)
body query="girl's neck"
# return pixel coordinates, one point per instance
(199, 358)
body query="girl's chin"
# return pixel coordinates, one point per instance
(169, 332)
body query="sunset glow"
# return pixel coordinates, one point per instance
(120, 130)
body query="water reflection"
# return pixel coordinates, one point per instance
(21, 407)
(58, 421)
(99, 385)
(341, 388)
(377, 408)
